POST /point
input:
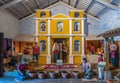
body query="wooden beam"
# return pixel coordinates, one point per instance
(108, 4)
(12, 9)
(38, 3)
(76, 3)
(90, 5)
(69, 2)
(27, 7)
(15, 12)
(9, 4)
(102, 11)
(93, 17)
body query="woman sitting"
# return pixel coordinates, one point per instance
(22, 71)
(88, 73)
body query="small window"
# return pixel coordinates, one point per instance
(42, 14)
(77, 46)
(42, 46)
(43, 26)
(76, 14)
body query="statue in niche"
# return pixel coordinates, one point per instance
(42, 14)
(59, 27)
(42, 46)
(43, 26)
(77, 46)
(76, 26)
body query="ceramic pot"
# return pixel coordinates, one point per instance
(52, 75)
(32, 75)
(41, 75)
(76, 74)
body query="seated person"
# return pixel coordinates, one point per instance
(88, 73)
(22, 73)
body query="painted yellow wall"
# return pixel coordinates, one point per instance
(77, 60)
(39, 11)
(77, 32)
(42, 60)
(80, 39)
(45, 39)
(39, 23)
(54, 24)
(80, 12)
(53, 30)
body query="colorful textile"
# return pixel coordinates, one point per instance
(7, 43)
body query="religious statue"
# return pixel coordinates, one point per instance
(76, 26)
(55, 52)
(76, 46)
(60, 27)
(43, 26)
(64, 50)
(113, 54)
(42, 46)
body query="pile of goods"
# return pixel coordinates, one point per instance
(9, 68)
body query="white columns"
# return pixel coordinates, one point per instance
(70, 56)
(36, 31)
(49, 56)
(83, 39)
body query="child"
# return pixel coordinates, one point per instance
(100, 58)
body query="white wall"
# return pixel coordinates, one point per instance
(9, 25)
(93, 27)
(110, 20)
(27, 26)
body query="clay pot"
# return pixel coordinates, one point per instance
(32, 75)
(76, 74)
(52, 75)
(41, 75)
(65, 74)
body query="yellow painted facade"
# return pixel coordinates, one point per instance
(50, 30)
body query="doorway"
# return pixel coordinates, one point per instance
(59, 42)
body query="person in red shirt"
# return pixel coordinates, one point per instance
(36, 51)
(100, 58)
